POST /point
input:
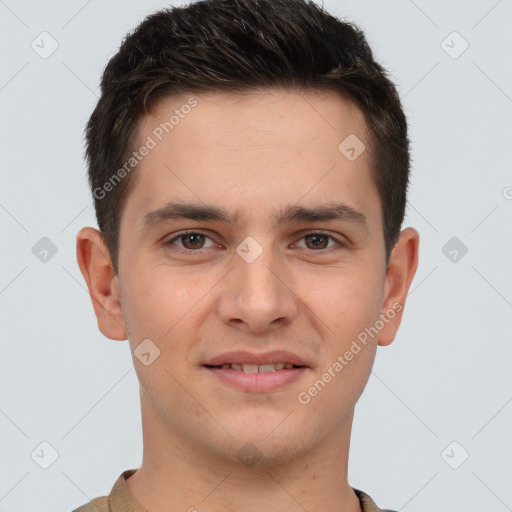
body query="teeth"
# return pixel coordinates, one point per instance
(250, 368)
(254, 368)
(266, 368)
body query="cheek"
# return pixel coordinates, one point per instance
(157, 308)
(348, 307)
(157, 299)
(346, 301)
(168, 307)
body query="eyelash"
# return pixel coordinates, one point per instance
(199, 251)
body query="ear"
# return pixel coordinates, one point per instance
(96, 267)
(402, 265)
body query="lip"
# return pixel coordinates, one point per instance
(257, 382)
(245, 357)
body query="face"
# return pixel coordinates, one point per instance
(250, 238)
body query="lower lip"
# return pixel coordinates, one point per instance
(258, 382)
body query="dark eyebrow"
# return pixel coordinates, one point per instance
(322, 213)
(192, 211)
(197, 211)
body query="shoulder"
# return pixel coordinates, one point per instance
(96, 505)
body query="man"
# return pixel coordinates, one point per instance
(249, 163)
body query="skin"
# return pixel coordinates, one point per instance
(251, 154)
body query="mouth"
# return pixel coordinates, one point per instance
(256, 368)
(248, 361)
(257, 373)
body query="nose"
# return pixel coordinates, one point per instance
(256, 296)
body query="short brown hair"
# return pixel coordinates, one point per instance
(235, 46)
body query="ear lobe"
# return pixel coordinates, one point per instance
(96, 267)
(402, 266)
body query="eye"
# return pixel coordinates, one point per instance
(191, 241)
(318, 241)
(196, 241)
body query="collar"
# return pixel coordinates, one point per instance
(120, 499)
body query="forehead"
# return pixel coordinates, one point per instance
(232, 116)
(254, 149)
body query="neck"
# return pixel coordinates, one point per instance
(176, 475)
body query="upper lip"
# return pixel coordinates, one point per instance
(244, 357)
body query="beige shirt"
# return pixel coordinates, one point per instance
(119, 500)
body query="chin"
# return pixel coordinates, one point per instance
(266, 448)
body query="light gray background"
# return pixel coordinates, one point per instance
(447, 377)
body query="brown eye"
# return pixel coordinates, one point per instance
(317, 241)
(190, 241)
(193, 240)
(320, 242)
